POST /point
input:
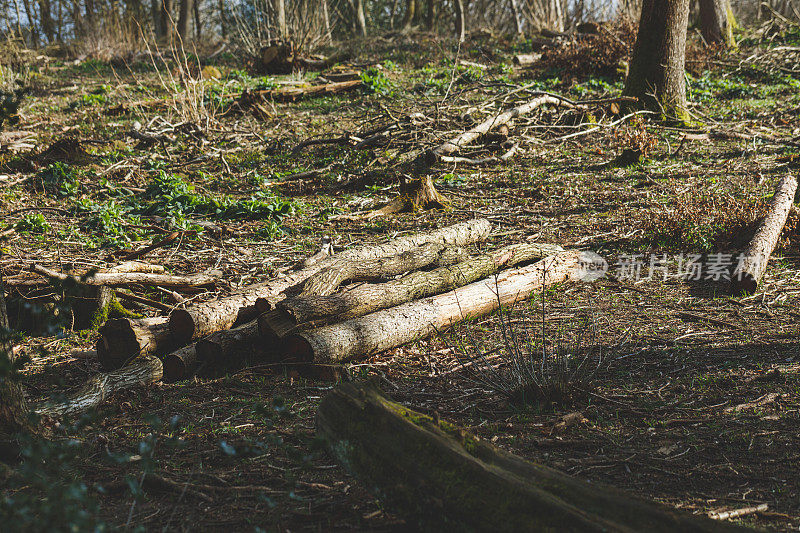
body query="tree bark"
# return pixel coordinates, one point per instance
(461, 27)
(97, 389)
(368, 298)
(184, 15)
(229, 349)
(360, 19)
(180, 364)
(657, 71)
(121, 340)
(408, 17)
(46, 16)
(13, 407)
(128, 279)
(717, 22)
(166, 22)
(330, 278)
(208, 317)
(516, 12)
(390, 328)
(441, 478)
(280, 13)
(755, 257)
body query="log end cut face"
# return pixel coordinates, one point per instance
(182, 325)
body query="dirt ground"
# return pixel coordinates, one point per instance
(696, 401)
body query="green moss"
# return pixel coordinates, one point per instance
(113, 309)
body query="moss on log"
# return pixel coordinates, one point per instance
(439, 477)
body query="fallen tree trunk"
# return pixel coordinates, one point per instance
(208, 317)
(441, 478)
(127, 279)
(383, 330)
(180, 364)
(367, 298)
(327, 280)
(143, 371)
(123, 339)
(292, 94)
(755, 257)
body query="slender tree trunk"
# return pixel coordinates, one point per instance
(327, 21)
(461, 29)
(517, 16)
(657, 70)
(48, 26)
(430, 18)
(223, 26)
(90, 13)
(360, 19)
(717, 21)
(155, 9)
(34, 32)
(197, 24)
(19, 20)
(167, 25)
(408, 18)
(184, 15)
(280, 10)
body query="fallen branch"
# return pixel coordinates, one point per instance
(736, 513)
(367, 298)
(208, 317)
(439, 477)
(98, 388)
(127, 279)
(292, 94)
(755, 257)
(387, 329)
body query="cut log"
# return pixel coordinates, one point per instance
(755, 257)
(367, 298)
(208, 317)
(229, 349)
(127, 279)
(329, 279)
(291, 94)
(123, 339)
(383, 330)
(143, 371)
(180, 364)
(415, 195)
(439, 477)
(526, 60)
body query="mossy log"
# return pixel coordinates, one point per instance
(371, 297)
(755, 257)
(207, 317)
(439, 477)
(329, 279)
(389, 328)
(121, 340)
(143, 371)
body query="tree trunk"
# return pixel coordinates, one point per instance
(128, 279)
(166, 22)
(223, 25)
(515, 11)
(46, 17)
(360, 19)
(330, 278)
(367, 298)
(326, 19)
(121, 340)
(717, 21)
(229, 349)
(408, 17)
(755, 257)
(13, 408)
(208, 317)
(280, 13)
(155, 9)
(438, 477)
(430, 16)
(461, 28)
(180, 364)
(390, 328)
(184, 15)
(657, 74)
(97, 389)
(198, 27)
(34, 33)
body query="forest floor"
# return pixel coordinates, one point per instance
(696, 403)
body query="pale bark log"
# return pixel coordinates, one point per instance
(387, 329)
(208, 317)
(127, 279)
(329, 279)
(367, 298)
(755, 257)
(441, 478)
(97, 389)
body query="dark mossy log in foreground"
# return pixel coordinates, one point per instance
(123, 339)
(370, 297)
(438, 477)
(393, 327)
(142, 371)
(755, 257)
(328, 279)
(207, 317)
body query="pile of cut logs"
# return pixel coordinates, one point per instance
(332, 308)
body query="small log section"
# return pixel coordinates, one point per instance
(755, 257)
(229, 348)
(441, 478)
(368, 298)
(180, 364)
(143, 371)
(208, 317)
(121, 340)
(383, 330)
